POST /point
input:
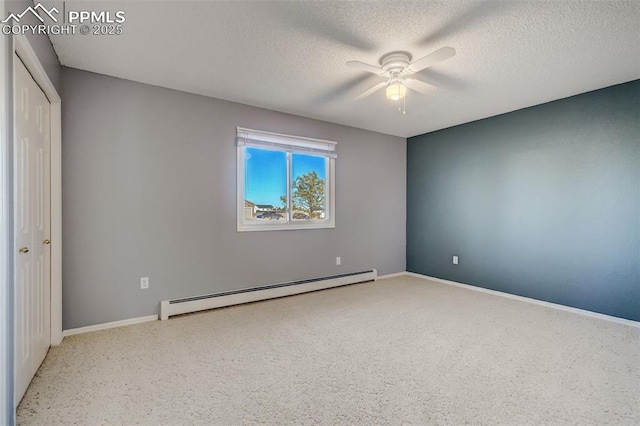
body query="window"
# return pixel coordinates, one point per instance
(284, 182)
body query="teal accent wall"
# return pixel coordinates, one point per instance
(542, 202)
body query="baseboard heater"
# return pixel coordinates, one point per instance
(235, 297)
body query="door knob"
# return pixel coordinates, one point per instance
(24, 250)
(46, 242)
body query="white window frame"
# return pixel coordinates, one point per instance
(290, 145)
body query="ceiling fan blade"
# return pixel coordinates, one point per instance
(420, 86)
(366, 67)
(431, 59)
(371, 90)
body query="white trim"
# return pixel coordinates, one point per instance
(28, 56)
(6, 370)
(108, 325)
(578, 311)
(397, 274)
(413, 274)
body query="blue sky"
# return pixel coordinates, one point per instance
(265, 177)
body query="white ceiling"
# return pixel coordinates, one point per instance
(290, 55)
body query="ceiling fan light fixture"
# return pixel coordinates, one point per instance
(396, 91)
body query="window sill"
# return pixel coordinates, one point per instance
(285, 226)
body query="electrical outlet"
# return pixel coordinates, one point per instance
(338, 261)
(455, 260)
(144, 283)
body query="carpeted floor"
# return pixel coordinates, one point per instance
(400, 350)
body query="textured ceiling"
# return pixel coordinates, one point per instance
(290, 56)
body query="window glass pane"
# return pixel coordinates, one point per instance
(265, 184)
(308, 187)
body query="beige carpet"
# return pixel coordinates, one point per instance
(401, 350)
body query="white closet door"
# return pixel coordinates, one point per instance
(33, 225)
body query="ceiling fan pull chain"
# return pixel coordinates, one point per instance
(403, 108)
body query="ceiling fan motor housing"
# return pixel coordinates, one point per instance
(395, 61)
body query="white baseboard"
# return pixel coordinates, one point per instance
(397, 274)
(584, 312)
(107, 325)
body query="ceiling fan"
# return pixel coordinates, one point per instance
(397, 67)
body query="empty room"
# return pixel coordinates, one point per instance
(293, 212)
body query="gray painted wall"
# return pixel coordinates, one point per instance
(149, 189)
(47, 56)
(543, 202)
